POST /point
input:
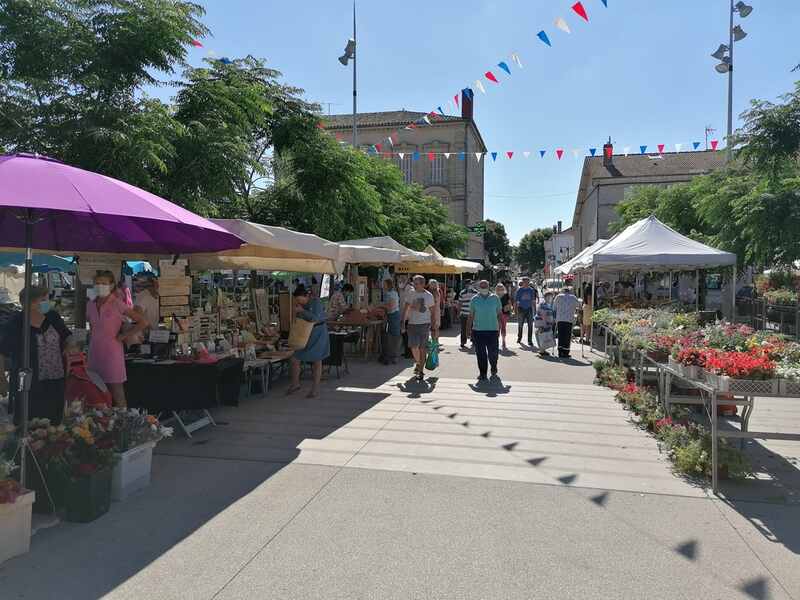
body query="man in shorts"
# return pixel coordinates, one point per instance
(417, 320)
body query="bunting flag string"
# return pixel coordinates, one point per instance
(543, 36)
(490, 76)
(714, 144)
(503, 65)
(580, 11)
(479, 85)
(562, 25)
(509, 154)
(559, 153)
(516, 59)
(695, 145)
(660, 148)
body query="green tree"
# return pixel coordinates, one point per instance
(530, 252)
(496, 244)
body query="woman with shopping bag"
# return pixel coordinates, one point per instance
(309, 338)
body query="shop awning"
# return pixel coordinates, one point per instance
(649, 244)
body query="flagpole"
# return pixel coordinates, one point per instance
(355, 104)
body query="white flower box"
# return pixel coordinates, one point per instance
(754, 387)
(15, 526)
(693, 372)
(675, 365)
(132, 471)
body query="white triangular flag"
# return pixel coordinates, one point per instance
(426, 119)
(401, 155)
(515, 58)
(575, 152)
(479, 155)
(626, 150)
(526, 154)
(562, 25)
(678, 147)
(479, 85)
(391, 141)
(447, 155)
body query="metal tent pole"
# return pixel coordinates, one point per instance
(697, 290)
(25, 375)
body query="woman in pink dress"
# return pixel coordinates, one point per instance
(106, 315)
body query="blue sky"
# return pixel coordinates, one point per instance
(639, 71)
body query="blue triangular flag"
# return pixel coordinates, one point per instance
(593, 151)
(643, 149)
(541, 153)
(225, 60)
(504, 66)
(461, 155)
(543, 36)
(441, 111)
(494, 156)
(605, 3)
(415, 156)
(696, 145)
(468, 93)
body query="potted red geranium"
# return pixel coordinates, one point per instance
(749, 373)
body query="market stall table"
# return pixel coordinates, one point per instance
(370, 331)
(175, 386)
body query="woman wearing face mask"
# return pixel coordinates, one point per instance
(48, 336)
(106, 314)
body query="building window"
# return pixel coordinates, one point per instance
(404, 164)
(438, 170)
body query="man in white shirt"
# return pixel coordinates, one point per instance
(417, 313)
(564, 306)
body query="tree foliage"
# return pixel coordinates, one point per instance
(530, 252)
(496, 244)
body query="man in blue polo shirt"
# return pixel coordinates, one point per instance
(484, 316)
(526, 299)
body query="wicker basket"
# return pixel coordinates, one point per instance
(790, 387)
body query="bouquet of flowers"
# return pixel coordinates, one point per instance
(133, 428)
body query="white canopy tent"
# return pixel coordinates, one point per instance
(650, 245)
(441, 264)
(386, 242)
(576, 261)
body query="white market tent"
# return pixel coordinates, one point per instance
(406, 254)
(650, 245)
(269, 248)
(576, 261)
(440, 265)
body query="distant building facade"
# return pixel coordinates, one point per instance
(559, 248)
(609, 179)
(457, 181)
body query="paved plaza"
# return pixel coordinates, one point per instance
(384, 488)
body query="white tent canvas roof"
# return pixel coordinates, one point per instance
(649, 244)
(406, 254)
(576, 261)
(440, 264)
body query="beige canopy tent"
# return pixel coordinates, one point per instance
(407, 255)
(270, 248)
(441, 265)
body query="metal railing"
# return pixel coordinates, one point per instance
(763, 316)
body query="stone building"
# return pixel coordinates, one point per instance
(457, 181)
(559, 248)
(609, 179)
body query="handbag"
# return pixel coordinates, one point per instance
(300, 334)
(432, 362)
(544, 339)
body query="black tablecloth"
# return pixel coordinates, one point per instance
(184, 386)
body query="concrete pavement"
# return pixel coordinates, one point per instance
(538, 488)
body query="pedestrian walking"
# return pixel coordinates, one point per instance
(436, 311)
(565, 305)
(485, 312)
(417, 314)
(465, 297)
(317, 348)
(526, 299)
(390, 342)
(586, 320)
(506, 307)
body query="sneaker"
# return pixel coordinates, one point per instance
(495, 377)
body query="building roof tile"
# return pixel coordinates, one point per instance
(392, 118)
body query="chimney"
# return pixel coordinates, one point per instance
(608, 153)
(559, 227)
(466, 103)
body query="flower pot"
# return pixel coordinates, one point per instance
(15, 526)
(87, 498)
(692, 372)
(132, 471)
(55, 485)
(658, 356)
(675, 365)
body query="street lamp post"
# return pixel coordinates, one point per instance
(350, 54)
(725, 55)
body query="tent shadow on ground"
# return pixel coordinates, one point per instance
(194, 481)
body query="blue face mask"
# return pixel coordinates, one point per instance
(44, 306)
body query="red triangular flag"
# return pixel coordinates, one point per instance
(509, 154)
(490, 76)
(559, 151)
(714, 144)
(430, 156)
(412, 125)
(320, 125)
(196, 43)
(660, 148)
(378, 147)
(455, 99)
(338, 136)
(578, 8)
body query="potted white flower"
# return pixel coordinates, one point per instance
(135, 436)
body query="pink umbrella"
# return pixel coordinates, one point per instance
(48, 205)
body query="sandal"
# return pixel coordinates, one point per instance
(292, 389)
